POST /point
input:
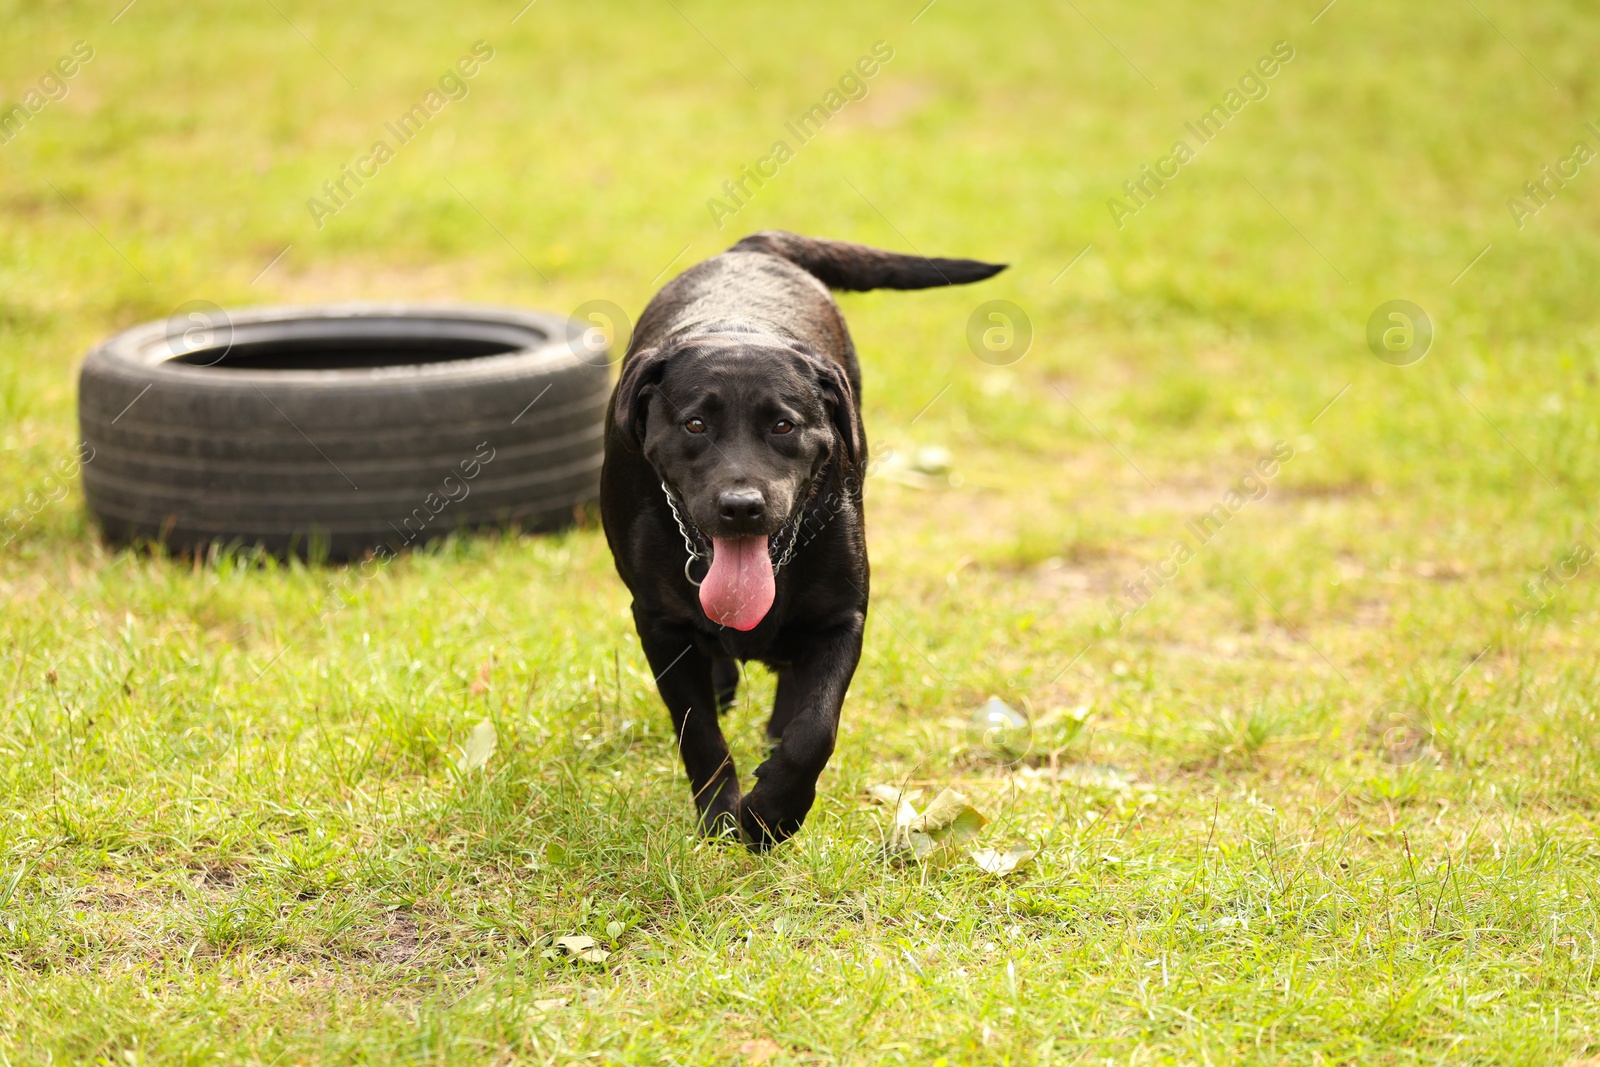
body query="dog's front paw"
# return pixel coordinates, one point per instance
(765, 822)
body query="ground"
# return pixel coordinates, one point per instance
(1315, 782)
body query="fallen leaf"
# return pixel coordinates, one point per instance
(551, 1004)
(1001, 864)
(949, 821)
(479, 747)
(951, 817)
(891, 795)
(904, 838)
(759, 1050)
(582, 947)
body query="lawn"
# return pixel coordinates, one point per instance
(1306, 636)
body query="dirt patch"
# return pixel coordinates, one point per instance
(1334, 490)
(143, 920)
(217, 876)
(1180, 499)
(1268, 641)
(110, 896)
(886, 105)
(1440, 570)
(1070, 584)
(400, 940)
(112, 893)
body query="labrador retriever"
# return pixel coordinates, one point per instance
(731, 499)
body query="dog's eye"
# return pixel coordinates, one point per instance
(695, 425)
(783, 426)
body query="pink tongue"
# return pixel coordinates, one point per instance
(738, 589)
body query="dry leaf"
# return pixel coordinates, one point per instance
(1001, 864)
(891, 795)
(480, 684)
(949, 821)
(582, 947)
(951, 817)
(550, 1005)
(903, 838)
(884, 794)
(479, 747)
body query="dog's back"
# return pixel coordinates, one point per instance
(779, 281)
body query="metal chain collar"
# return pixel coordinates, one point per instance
(688, 541)
(697, 555)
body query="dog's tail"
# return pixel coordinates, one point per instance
(841, 265)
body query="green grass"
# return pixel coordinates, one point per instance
(234, 831)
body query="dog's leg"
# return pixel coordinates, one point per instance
(684, 679)
(785, 706)
(786, 784)
(725, 677)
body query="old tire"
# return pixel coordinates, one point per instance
(340, 430)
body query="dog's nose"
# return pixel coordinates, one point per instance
(741, 505)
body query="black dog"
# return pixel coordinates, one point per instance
(734, 459)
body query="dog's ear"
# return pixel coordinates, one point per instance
(640, 374)
(841, 403)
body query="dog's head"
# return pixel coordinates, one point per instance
(738, 425)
